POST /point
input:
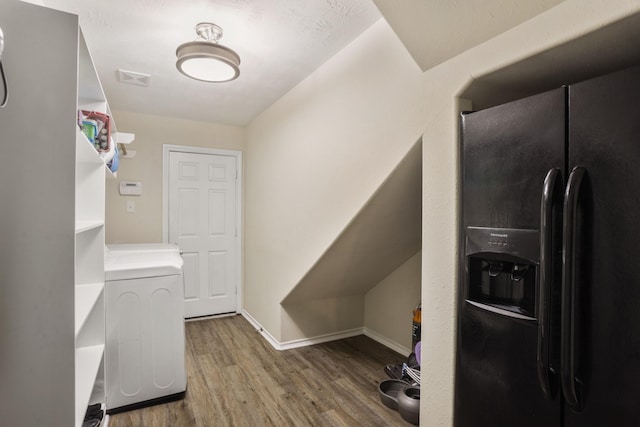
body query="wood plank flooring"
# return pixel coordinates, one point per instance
(235, 378)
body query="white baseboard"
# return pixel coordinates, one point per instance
(303, 342)
(287, 345)
(405, 351)
(270, 339)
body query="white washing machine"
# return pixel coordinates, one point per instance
(144, 316)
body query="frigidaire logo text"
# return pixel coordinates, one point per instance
(498, 235)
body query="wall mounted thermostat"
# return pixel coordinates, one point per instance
(130, 188)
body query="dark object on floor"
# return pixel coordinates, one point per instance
(94, 411)
(93, 416)
(389, 391)
(413, 362)
(394, 371)
(409, 404)
(397, 372)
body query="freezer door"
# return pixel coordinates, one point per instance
(602, 340)
(507, 151)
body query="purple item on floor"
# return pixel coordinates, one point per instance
(418, 351)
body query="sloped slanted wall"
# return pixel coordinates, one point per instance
(434, 31)
(380, 238)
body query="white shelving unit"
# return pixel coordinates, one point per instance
(89, 243)
(89, 247)
(52, 334)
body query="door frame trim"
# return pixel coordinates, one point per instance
(166, 150)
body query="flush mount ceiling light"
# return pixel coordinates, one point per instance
(205, 59)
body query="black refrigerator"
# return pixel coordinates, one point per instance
(548, 330)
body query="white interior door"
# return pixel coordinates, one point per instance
(202, 221)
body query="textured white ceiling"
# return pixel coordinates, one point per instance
(280, 42)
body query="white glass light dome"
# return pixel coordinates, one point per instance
(205, 59)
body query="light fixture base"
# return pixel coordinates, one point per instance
(209, 31)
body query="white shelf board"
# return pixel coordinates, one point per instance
(125, 138)
(82, 226)
(88, 361)
(85, 298)
(110, 174)
(85, 104)
(85, 152)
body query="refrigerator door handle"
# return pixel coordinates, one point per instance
(546, 375)
(568, 351)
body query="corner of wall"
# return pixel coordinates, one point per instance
(388, 307)
(318, 317)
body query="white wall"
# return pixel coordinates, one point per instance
(569, 19)
(388, 307)
(315, 157)
(320, 317)
(145, 224)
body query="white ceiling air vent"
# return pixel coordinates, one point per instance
(133, 78)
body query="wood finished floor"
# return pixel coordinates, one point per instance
(235, 378)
